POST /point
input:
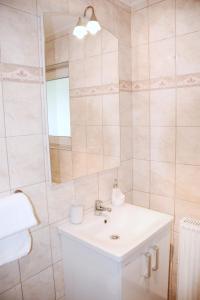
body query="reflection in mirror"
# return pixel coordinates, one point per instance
(82, 89)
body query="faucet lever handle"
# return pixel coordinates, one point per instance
(98, 204)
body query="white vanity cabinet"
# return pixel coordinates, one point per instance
(133, 267)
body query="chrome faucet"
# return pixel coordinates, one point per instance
(100, 209)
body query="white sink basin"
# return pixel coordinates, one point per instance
(132, 224)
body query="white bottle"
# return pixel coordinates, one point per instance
(117, 196)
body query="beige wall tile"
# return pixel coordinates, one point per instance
(78, 107)
(111, 141)
(2, 125)
(4, 177)
(76, 48)
(37, 196)
(77, 7)
(94, 139)
(141, 109)
(162, 178)
(93, 111)
(187, 16)
(110, 68)
(187, 183)
(140, 61)
(163, 107)
(86, 190)
(162, 204)
(124, 26)
(129, 197)
(77, 74)
(57, 50)
(141, 144)
(162, 58)
(163, 144)
(140, 29)
(125, 108)
(126, 142)
(55, 242)
(162, 20)
(110, 162)
(109, 42)
(111, 109)
(107, 14)
(79, 138)
(188, 145)
(22, 104)
(9, 276)
(79, 164)
(59, 198)
(141, 199)
(93, 71)
(15, 34)
(59, 279)
(125, 176)
(124, 55)
(188, 106)
(40, 256)
(106, 181)
(25, 168)
(40, 286)
(14, 293)
(27, 6)
(93, 45)
(52, 6)
(188, 53)
(141, 175)
(94, 163)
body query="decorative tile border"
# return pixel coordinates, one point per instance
(141, 85)
(95, 90)
(167, 82)
(188, 80)
(125, 85)
(19, 73)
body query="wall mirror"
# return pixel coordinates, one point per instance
(82, 98)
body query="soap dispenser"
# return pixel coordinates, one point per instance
(117, 196)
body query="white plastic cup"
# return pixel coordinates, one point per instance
(76, 214)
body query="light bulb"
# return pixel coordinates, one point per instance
(80, 32)
(93, 27)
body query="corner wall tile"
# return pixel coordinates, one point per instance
(2, 125)
(40, 286)
(26, 160)
(4, 176)
(188, 53)
(9, 276)
(13, 293)
(22, 104)
(15, 34)
(40, 256)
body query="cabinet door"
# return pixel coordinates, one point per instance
(160, 268)
(137, 284)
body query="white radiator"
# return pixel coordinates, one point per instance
(188, 287)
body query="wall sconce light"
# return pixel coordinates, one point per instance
(83, 26)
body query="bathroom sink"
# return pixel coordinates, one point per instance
(120, 233)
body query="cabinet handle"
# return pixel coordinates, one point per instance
(156, 258)
(148, 265)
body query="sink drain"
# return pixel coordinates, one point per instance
(115, 237)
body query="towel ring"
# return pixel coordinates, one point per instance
(17, 191)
